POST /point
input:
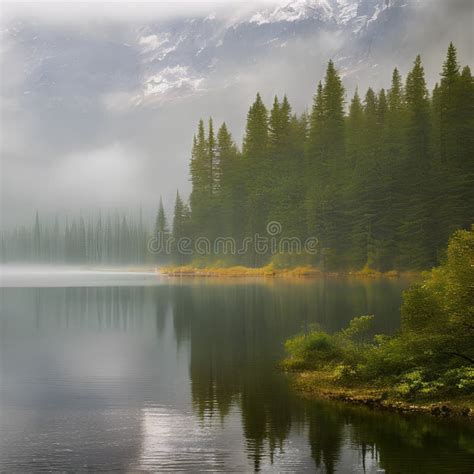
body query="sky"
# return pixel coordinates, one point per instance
(99, 102)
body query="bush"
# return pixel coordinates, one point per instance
(460, 379)
(432, 355)
(312, 350)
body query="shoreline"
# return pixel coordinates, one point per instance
(312, 384)
(269, 271)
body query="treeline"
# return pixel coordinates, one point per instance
(111, 239)
(383, 184)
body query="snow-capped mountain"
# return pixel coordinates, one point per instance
(179, 57)
(340, 12)
(176, 58)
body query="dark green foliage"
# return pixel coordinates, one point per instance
(381, 187)
(432, 355)
(162, 234)
(181, 231)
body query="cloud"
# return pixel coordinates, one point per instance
(103, 177)
(58, 11)
(100, 109)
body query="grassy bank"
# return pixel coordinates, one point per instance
(323, 385)
(427, 366)
(272, 271)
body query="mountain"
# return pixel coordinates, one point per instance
(180, 56)
(117, 99)
(164, 60)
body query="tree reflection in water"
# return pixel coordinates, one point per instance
(231, 334)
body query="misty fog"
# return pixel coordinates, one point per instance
(79, 130)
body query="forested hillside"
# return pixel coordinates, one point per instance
(381, 181)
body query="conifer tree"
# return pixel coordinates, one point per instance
(180, 230)
(314, 149)
(258, 169)
(231, 192)
(201, 179)
(333, 100)
(161, 230)
(417, 222)
(331, 221)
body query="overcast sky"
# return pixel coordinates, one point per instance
(99, 101)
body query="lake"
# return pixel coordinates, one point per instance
(116, 371)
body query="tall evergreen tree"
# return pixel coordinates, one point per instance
(162, 232)
(231, 191)
(258, 169)
(417, 223)
(180, 231)
(201, 179)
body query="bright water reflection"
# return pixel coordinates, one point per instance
(182, 376)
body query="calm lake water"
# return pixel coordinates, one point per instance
(139, 372)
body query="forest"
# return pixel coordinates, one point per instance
(112, 238)
(381, 182)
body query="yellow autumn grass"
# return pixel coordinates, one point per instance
(240, 271)
(271, 271)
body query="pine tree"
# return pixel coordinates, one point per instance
(284, 167)
(258, 171)
(328, 196)
(180, 230)
(202, 182)
(363, 194)
(354, 130)
(231, 192)
(394, 152)
(414, 232)
(333, 100)
(314, 148)
(465, 121)
(161, 232)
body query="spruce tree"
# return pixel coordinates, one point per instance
(258, 170)
(180, 230)
(161, 232)
(231, 193)
(417, 223)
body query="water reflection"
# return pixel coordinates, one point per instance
(183, 376)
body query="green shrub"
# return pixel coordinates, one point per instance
(432, 355)
(459, 379)
(358, 328)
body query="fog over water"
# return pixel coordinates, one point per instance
(37, 276)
